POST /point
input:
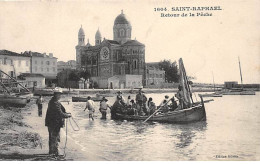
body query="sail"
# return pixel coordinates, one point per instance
(187, 95)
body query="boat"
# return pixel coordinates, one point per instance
(193, 113)
(8, 96)
(84, 99)
(43, 92)
(11, 100)
(211, 95)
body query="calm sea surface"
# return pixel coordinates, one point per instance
(231, 132)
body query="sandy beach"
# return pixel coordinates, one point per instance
(25, 137)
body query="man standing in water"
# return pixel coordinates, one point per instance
(55, 120)
(39, 102)
(141, 102)
(90, 107)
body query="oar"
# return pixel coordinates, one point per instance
(156, 111)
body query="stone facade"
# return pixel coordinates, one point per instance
(61, 65)
(119, 57)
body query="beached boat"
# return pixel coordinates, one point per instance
(211, 95)
(195, 111)
(10, 98)
(43, 92)
(84, 99)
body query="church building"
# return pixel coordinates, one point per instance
(117, 63)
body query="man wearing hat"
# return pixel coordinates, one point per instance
(164, 105)
(141, 101)
(90, 107)
(54, 120)
(103, 108)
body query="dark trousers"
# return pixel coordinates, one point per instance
(39, 110)
(104, 114)
(54, 139)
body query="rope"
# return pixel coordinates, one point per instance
(74, 123)
(64, 153)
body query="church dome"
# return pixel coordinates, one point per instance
(81, 32)
(121, 19)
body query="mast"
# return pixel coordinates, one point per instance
(213, 80)
(184, 83)
(240, 73)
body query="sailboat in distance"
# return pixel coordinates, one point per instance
(239, 91)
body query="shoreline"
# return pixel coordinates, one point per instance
(20, 147)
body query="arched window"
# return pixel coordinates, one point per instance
(128, 33)
(115, 33)
(122, 32)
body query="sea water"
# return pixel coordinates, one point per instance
(231, 132)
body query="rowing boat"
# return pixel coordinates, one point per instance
(194, 112)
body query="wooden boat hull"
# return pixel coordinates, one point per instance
(84, 99)
(194, 114)
(13, 101)
(43, 92)
(239, 93)
(211, 95)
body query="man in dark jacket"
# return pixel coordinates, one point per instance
(55, 120)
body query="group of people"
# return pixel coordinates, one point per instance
(141, 107)
(56, 113)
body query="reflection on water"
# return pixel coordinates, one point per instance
(232, 128)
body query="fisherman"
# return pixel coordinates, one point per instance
(118, 107)
(141, 102)
(54, 120)
(173, 104)
(180, 97)
(103, 108)
(39, 102)
(134, 107)
(128, 101)
(151, 106)
(119, 95)
(163, 105)
(90, 107)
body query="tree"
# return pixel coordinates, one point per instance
(171, 70)
(74, 76)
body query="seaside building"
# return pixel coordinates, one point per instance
(113, 63)
(44, 64)
(154, 75)
(14, 63)
(61, 65)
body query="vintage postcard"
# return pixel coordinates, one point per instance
(112, 80)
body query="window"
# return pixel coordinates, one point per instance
(54, 63)
(42, 62)
(47, 69)
(12, 62)
(135, 64)
(5, 61)
(47, 62)
(53, 69)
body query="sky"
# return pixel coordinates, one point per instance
(209, 46)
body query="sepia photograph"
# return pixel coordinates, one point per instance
(113, 80)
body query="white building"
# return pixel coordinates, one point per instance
(14, 64)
